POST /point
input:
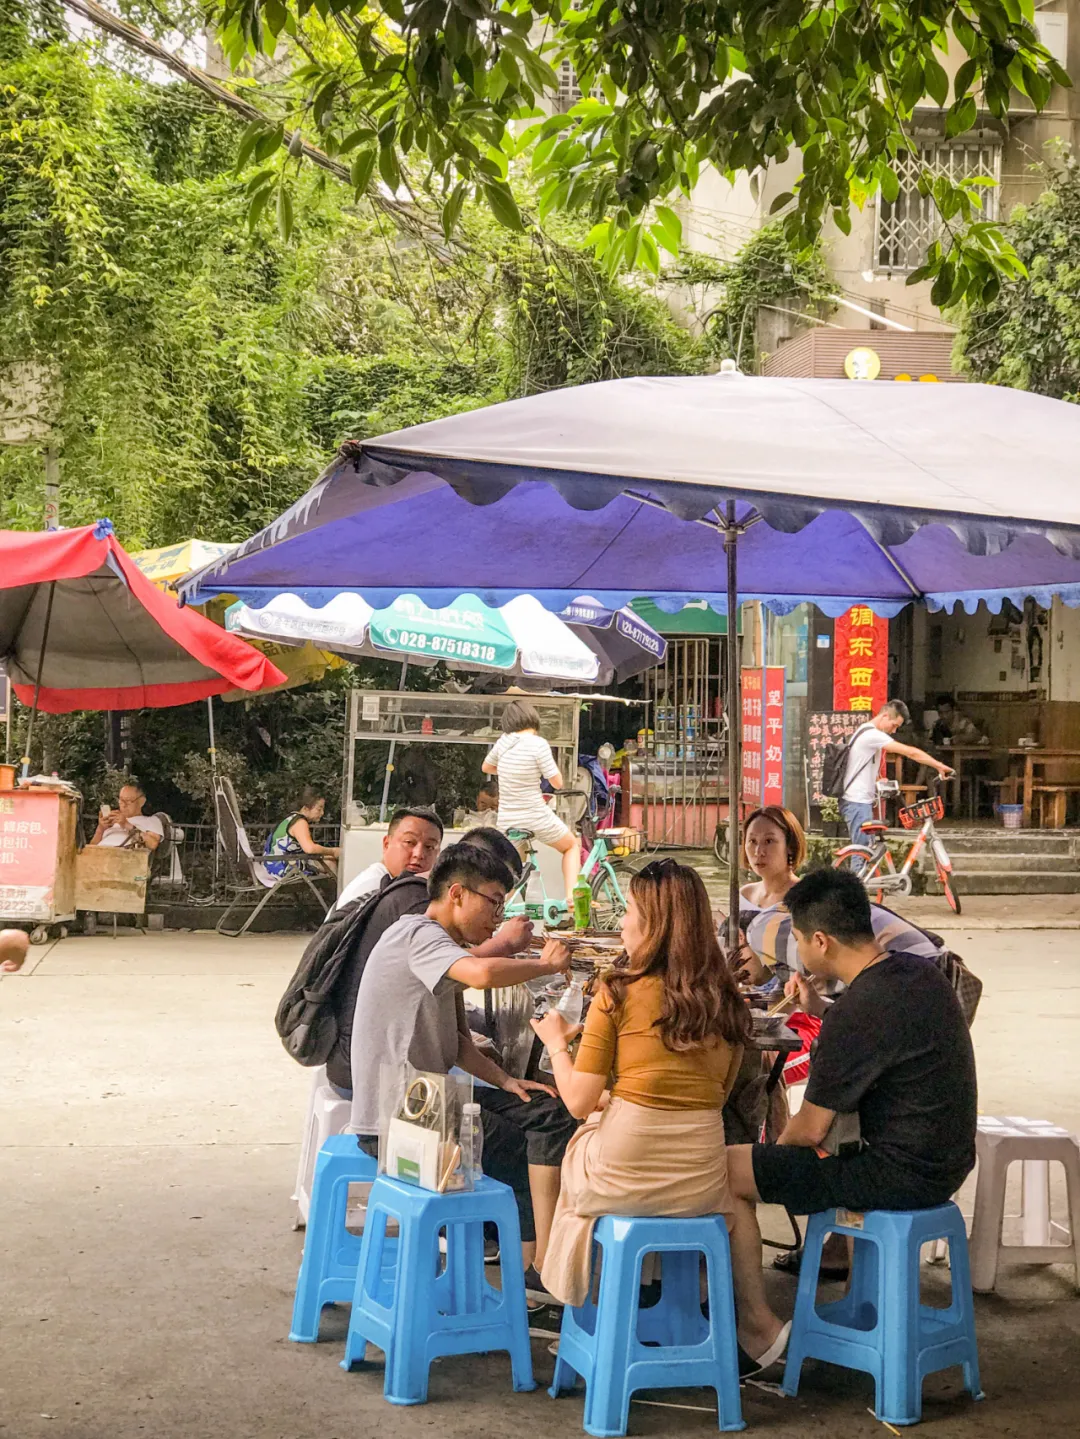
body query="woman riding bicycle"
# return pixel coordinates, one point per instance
(521, 759)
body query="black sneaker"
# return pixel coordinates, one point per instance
(535, 1293)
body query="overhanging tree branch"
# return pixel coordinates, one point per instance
(405, 215)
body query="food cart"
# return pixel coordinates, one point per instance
(38, 833)
(420, 717)
(82, 628)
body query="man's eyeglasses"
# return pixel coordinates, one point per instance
(498, 906)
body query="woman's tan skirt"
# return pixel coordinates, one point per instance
(633, 1161)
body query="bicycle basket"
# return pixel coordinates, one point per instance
(913, 814)
(623, 841)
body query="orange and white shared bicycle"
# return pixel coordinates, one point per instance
(873, 862)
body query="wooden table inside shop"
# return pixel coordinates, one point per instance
(1024, 765)
(1034, 757)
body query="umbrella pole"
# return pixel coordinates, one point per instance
(37, 681)
(212, 751)
(734, 717)
(390, 756)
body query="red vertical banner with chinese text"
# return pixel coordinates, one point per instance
(860, 661)
(772, 773)
(753, 727)
(763, 735)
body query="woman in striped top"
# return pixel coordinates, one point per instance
(521, 759)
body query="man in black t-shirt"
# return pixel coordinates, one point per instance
(894, 1051)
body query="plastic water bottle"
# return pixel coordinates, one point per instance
(571, 1004)
(472, 1144)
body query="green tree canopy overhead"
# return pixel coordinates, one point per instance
(444, 94)
(1029, 336)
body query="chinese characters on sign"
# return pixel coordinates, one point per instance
(825, 727)
(763, 736)
(28, 829)
(860, 661)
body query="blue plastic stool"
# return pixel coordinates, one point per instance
(880, 1326)
(606, 1342)
(416, 1310)
(331, 1253)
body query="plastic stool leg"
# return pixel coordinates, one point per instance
(805, 1298)
(513, 1292)
(329, 1201)
(1035, 1201)
(607, 1396)
(987, 1218)
(962, 1301)
(407, 1365)
(722, 1327)
(899, 1390)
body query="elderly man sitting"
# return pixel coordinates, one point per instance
(126, 827)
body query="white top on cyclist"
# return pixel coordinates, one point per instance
(523, 760)
(863, 763)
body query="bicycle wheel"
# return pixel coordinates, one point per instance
(720, 846)
(947, 880)
(609, 888)
(862, 862)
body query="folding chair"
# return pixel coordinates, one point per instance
(249, 875)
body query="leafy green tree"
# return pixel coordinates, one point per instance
(767, 272)
(444, 95)
(1028, 336)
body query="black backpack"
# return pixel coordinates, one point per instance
(305, 1018)
(834, 760)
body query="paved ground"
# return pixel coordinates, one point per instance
(147, 1155)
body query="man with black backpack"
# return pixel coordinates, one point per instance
(862, 762)
(315, 1015)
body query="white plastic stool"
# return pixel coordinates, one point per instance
(1035, 1143)
(327, 1114)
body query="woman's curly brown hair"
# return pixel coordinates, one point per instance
(701, 999)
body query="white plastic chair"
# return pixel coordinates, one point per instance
(327, 1114)
(1035, 1144)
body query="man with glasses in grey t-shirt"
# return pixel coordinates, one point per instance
(410, 1009)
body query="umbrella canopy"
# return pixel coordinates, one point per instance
(299, 664)
(521, 638)
(821, 490)
(111, 640)
(169, 562)
(852, 492)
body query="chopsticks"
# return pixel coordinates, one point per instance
(781, 1004)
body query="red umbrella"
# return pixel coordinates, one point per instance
(82, 628)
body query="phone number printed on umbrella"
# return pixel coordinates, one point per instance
(446, 645)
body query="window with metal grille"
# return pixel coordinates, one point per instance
(908, 225)
(569, 91)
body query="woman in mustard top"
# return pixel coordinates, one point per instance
(666, 1035)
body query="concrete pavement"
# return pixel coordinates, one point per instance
(148, 1150)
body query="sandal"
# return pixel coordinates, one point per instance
(749, 1366)
(790, 1262)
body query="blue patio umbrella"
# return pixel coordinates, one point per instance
(723, 487)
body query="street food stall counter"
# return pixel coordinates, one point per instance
(45, 875)
(427, 717)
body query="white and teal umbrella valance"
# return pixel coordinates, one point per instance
(519, 638)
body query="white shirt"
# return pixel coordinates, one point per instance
(361, 885)
(116, 835)
(863, 765)
(522, 761)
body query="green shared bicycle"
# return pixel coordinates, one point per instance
(603, 866)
